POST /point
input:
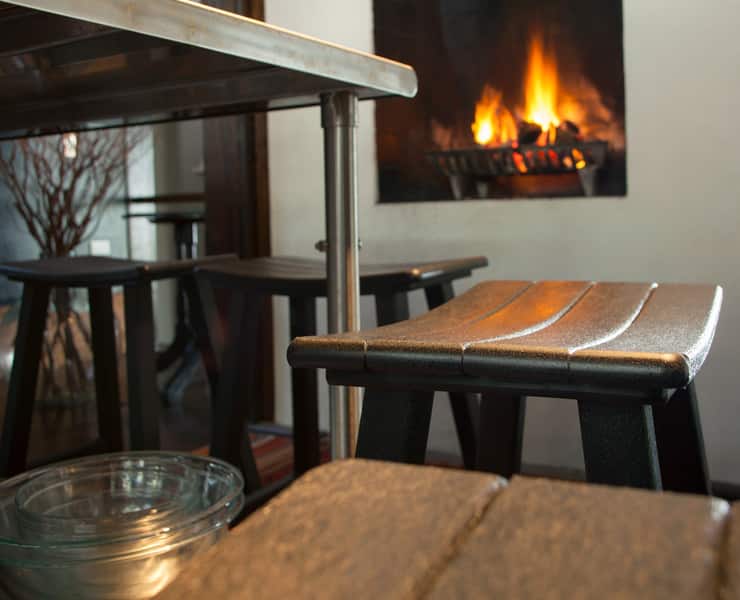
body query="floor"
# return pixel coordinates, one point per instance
(57, 429)
(185, 426)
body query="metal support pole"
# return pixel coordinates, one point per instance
(339, 121)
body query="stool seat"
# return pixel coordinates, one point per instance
(91, 271)
(174, 218)
(296, 276)
(303, 280)
(633, 335)
(627, 352)
(73, 271)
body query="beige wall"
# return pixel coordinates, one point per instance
(679, 221)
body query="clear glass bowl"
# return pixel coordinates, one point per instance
(109, 496)
(146, 515)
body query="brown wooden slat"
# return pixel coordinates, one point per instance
(547, 539)
(730, 589)
(632, 336)
(442, 351)
(667, 343)
(347, 351)
(349, 529)
(602, 313)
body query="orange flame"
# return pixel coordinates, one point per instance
(548, 101)
(541, 86)
(494, 125)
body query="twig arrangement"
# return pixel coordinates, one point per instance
(60, 187)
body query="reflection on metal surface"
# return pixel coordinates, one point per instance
(339, 120)
(107, 63)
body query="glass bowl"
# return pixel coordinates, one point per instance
(147, 514)
(105, 497)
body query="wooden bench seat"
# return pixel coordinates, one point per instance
(367, 529)
(628, 352)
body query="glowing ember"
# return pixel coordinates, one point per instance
(494, 125)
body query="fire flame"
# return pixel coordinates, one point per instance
(553, 103)
(494, 125)
(541, 86)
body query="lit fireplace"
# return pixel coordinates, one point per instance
(511, 107)
(560, 127)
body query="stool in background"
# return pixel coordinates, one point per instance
(99, 275)
(627, 352)
(303, 281)
(183, 346)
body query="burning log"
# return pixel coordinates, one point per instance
(570, 127)
(529, 133)
(567, 134)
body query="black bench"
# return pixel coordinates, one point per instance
(628, 352)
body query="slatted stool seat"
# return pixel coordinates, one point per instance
(627, 352)
(99, 275)
(303, 281)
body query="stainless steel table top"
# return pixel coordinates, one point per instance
(76, 64)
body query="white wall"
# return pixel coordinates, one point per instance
(164, 164)
(678, 223)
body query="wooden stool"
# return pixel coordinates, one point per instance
(99, 275)
(628, 352)
(183, 346)
(304, 280)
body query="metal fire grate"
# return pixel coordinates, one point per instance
(478, 165)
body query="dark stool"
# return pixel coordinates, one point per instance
(304, 280)
(628, 352)
(99, 275)
(183, 345)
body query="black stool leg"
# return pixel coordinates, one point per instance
(464, 406)
(206, 326)
(181, 342)
(107, 394)
(501, 433)
(143, 396)
(683, 462)
(619, 444)
(229, 435)
(306, 446)
(23, 379)
(394, 425)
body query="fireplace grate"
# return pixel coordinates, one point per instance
(478, 165)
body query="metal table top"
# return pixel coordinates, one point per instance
(79, 64)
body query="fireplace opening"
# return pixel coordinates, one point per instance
(516, 100)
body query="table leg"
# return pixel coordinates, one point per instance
(339, 121)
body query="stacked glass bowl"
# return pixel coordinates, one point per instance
(112, 526)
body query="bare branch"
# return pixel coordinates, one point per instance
(61, 199)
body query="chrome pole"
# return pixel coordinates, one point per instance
(339, 121)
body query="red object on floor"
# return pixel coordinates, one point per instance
(273, 452)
